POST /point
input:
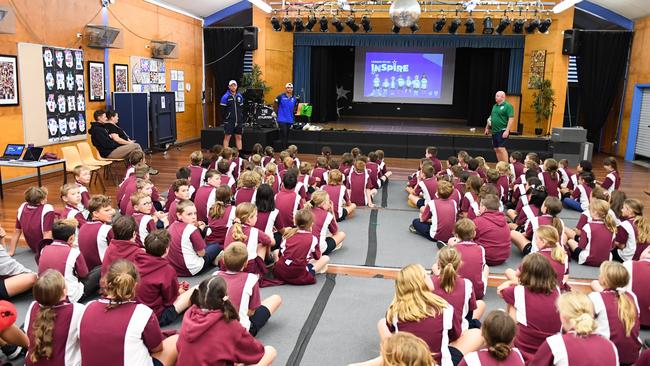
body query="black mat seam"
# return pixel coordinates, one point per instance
(384, 195)
(313, 318)
(371, 255)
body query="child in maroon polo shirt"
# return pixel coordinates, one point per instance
(205, 196)
(34, 219)
(436, 221)
(71, 197)
(95, 235)
(197, 172)
(473, 266)
(492, 231)
(82, 180)
(181, 190)
(123, 245)
(426, 187)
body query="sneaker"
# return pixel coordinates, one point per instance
(338, 246)
(11, 351)
(412, 229)
(440, 244)
(153, 171)
(323, 270)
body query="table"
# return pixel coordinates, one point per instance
(32, 164)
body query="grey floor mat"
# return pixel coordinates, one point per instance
(396, 246)
(355, 246)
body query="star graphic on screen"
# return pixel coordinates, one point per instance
(341, 93)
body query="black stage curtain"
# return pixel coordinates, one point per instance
(601, 62)
(227, 46)
(323, 85)
(488, 73)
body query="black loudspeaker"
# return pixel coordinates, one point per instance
(571, 43)
(250, 38)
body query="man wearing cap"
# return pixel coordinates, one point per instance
(232, 109)
(285, 107)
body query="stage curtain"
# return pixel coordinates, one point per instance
(225, 45)
(515, 70)
(323, 95)
(488, 74)
(302, 72)
(408, 40)
(601, 62)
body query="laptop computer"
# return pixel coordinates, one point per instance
(33, 154)
(13, 152)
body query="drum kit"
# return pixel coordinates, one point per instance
(256, 114)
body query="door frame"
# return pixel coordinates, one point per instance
(635, 116)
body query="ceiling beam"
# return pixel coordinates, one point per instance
(604, 13)
(226, 12)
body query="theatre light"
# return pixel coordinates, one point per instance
(352, 25)
(503, 25)
(532, 25)
(395, 29)
(545, 25)
(487, 26)
(469, 25)
(365, 23)
(299, 25)
(414, 28)
(453, 27)
(311, 23)
(323, 24)
(337, 24)
(275, 23)
(440, 23)
(518, 26)
(288, 26)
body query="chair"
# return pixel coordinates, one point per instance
(88, 158)
(73, 159)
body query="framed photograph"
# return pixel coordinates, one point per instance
(96, 89)
(8, 80)
(121, 76)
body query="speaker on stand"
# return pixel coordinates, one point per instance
(250, 38)
(571, 42)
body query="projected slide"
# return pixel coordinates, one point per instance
(404, 77)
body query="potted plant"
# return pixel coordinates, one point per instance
(543, 103)
(253, 80)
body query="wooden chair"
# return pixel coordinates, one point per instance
(73, 159)
(88, 158)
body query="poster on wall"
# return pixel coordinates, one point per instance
(96, 90)
(121, 76)
(64, 92)
(147, 74)
(537, 67)
(8, 80)
(177, 85)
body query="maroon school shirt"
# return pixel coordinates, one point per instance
(158, 285)
(461, 298)
(427, 187)
(537, 317)
(295, 253)
(219, 226)
(33, 221)
(551, 182)
(127, 332)
(319, 174)
(338, 196)
(287, 202)
(93, 240)
(483, 358)
(120, 249)
(121, 191)
(503, 186)
(526, 214)
(572, 349)
(70, 212)
(442, 213)
(596, 242)
(324, 223)
(243, 293)
(203, 329)
(639, 273)
(627, 234)
(245, 194)
(68, 261)
(145, 224)
(129, 189)
(612, 181)
(357, 183)
(204, 198)
(185, 243)
(437, 165)
(266, 221)
(517, 168)
(472, 264)
(469, 202)
(85, 195)
(197, 176)
(582, 194)
(493, 233)
(560, 269)
(373, 171)
(254, 238)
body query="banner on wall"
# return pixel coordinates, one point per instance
(147, 75)
(64, 92)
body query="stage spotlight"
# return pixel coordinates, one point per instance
(440, 23)
(518, 26)
(352, 25)
(487, 26)
(365, 23)
(546, 23)
(453, 27)
(532, 25)
(299, 25)
(395, 29)
(323, 24)
(288, 26)
(311, 23)
(276, 24)
(414, 28)
(469, 25)
(337, 24)
(503, 24)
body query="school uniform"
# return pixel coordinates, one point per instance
(33, 221)
(85, 195)
(472, 264)
(218, 226)
(145, 224)
(517, 169)
(519, 196)
(171, 213)
(382, 166)
(357, 183)
(565, 176)
(287, 202)
(437, 332)
(339, 197)
(469, 202)
(307, 181)
(611, 327)
(245, 194)
(493, 234)
(72, 212)
(427, 189)
(266, 222)
(295, 254)
(204, 198)
(266, 160)
(324, 223)
(94, 237)
(122, 189)
(460, 186)
(581, 195)
(595, 245)
(65, 335)
(456, 196)
(243, 293)
(639, 273)
(526, 214)
(254, 238)
(373, 171)
(534, 223)
(627, 234)
(197, 176)
(228, 180)
(185, 243)
(120, 249)
(482, 173)
(537, 317)
(461, 299)
(585, 218)
(158, 285)
(572, 349)
(236, 167)
(560, 269)
(319, 174)
(484, 358)
(275, 186)
(437, 165)
(68, 261)
(442, 213)
(552, 183)
(612, 181)
(202, 329)
(129, 189)
(503, 187)
(127, 332)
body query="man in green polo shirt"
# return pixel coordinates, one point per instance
(500, 122)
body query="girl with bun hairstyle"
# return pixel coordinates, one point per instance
(498, 331)
(401, 349)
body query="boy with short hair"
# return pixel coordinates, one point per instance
(182, 173)
(197, 172)
(426, 188)
(158, 287)
(225, 177)
(516, 165)
(71, 197)
(472, 255)
(205, 196)
(181, 189)
(95, 235)
(492, 231)
(144, 220)
(431, 153)
(437, 218)
(34, 219)
(129, 186)
(123, 245)
(82, 177)
(244, 291)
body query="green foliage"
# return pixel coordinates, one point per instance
(543, 100)
(253, 80)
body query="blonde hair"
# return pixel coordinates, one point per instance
(317, 199)
(614, 277)
(35, 195)
(413, 300)
(136, 197)
(445, 189)
(80, 169)
(642, 225)
(481, 162)
(196, 157)
(448, 262)
(549, 235)
(303, 219)
(553, 207)
(249, 179)
(66, 188)
(405, 349)
(142, 183)
(271, 170)
(47, 291)
(600, 208)
(288, 162)
(465, 229)
(120, 282)
(578, 310)
(335, 177)
(305, 168)
(503, 168)
(243, 213)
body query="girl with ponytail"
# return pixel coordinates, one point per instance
(325, 222)
(551, 178)
(498, 331)
(579, 345)
(117, 325)
(610, 297)
(597, 237)
(247, 187)
(52, 323)
(550, 211)
(220, 216)
(267, 213)
(634, 233)
(271, 177)
(456, 290)
(401, 349)
(212, 319)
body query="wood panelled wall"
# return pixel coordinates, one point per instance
(57, 22)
